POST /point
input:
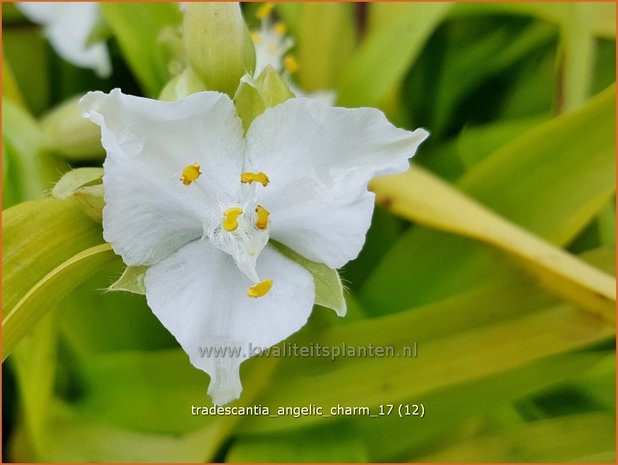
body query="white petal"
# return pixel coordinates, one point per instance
(68, 26)
(201, 298)
(39, 12)
(319, 160)
(149, 213)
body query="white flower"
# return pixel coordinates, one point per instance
(271, 49)
(271, 43)
(67, 26)
(191, 196)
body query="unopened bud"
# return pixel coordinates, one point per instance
(217, 44)
(68, 134)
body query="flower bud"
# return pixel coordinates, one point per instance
(217, 44)
(68, 134)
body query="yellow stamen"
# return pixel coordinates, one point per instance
(230, 218)
(260, 289)
(248, 177)
(190, 174)
(264, 11)
(280, 28)
(290, 64)
(256, 37)
(262, 217)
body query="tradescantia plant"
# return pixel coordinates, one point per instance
(226, 172)
(191, 196)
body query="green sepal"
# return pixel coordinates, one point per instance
(91, 200)
(186, 83)
(253, 97)
(328, 286)
(83, 185)
(75, 179)
(132, 280)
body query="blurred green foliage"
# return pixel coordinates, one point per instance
(506, 370)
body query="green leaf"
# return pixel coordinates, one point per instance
(35, 365)
(562, 439)
(317, 445)
(30, 171)
(290, 13)
(383, 57)
(578, 50)
(132, 280)
(460, 340)
(162, 377)
(453, 407)
(29, 56)
(389, 438)
(450, 210)
(78, 438)
(602, 14)
(474, 144)
(550, 181)
(89, 320)
(140, 45)
(10, 89)
(328, 287)
(20, 319)
(556, 179)
(44, 242)
(167, 379)
(326, 39)
(497, 47)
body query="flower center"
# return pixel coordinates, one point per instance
(242, 231)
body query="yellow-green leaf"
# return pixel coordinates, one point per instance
(44, 243)
(421, 197)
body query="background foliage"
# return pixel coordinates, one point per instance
(496, 254)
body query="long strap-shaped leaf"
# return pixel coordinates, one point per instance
(50, 290)
(422, 197)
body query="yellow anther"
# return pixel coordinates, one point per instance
(260, 289)
(230, 218)
(264, 11)
(190, 174)
(262, 217)
(290, 64)
(256, 38)
(280, 28)
(248, 177)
